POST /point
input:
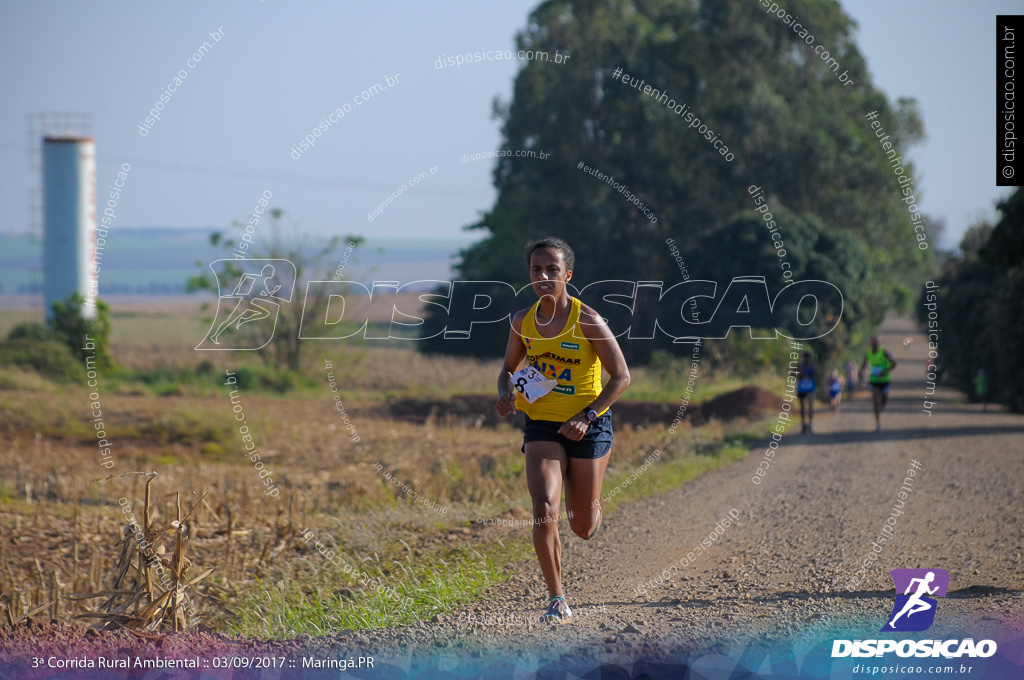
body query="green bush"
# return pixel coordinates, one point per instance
(188, 426)
(70, 327)
(737, 355)
(49, 358)
(58, 350)
(171, 389)
(265, 378)
(31, 330)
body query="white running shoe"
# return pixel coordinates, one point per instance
(558, 611)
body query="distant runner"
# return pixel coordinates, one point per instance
(882, 364)
(835, 390)
(981, 388)
(851, 378)
(805, 392)
(568, 432)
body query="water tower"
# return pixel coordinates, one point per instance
(69, 213)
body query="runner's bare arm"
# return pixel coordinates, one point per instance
(892, 362)
(608, 351)
(515, 352)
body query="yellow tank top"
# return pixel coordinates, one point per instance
(568, 358)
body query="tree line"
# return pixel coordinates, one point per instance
(799, 139)
(974, 318)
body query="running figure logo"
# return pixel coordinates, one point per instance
(253, 287)
(916, 611)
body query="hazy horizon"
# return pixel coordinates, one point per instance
(228, 132)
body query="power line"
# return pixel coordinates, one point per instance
(292, 179)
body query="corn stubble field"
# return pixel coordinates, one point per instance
(223, 555)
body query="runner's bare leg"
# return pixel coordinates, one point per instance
(583, 487)
(546, 464)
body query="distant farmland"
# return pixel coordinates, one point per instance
(157, 261)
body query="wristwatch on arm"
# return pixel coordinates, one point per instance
(591, 415)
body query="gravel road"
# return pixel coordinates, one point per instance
(789, 566)
(781, 573)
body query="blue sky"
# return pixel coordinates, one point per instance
(225, 136)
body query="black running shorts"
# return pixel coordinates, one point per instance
(596, 443)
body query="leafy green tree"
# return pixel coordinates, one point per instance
(793, 128)
(816, 253)
(978, 308)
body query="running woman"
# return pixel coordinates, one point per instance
(882, 364)
(805, 392)
(851, 378)
(835, 390)
(568, 433)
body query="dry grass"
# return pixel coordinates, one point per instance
(62, 531)
(61, 520)
(150, 584)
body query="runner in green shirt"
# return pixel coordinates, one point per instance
(882, 364)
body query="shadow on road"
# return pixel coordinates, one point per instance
(970, 592)
(836, 438)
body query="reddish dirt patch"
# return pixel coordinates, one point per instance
(477, 410)
(746, 402)
(472, 410)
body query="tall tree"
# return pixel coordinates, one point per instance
(977, 313)
(791, 126)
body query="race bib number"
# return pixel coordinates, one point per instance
(532, 384)
(877, 370)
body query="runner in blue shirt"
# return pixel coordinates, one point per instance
(835, 390)
(805, 392)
